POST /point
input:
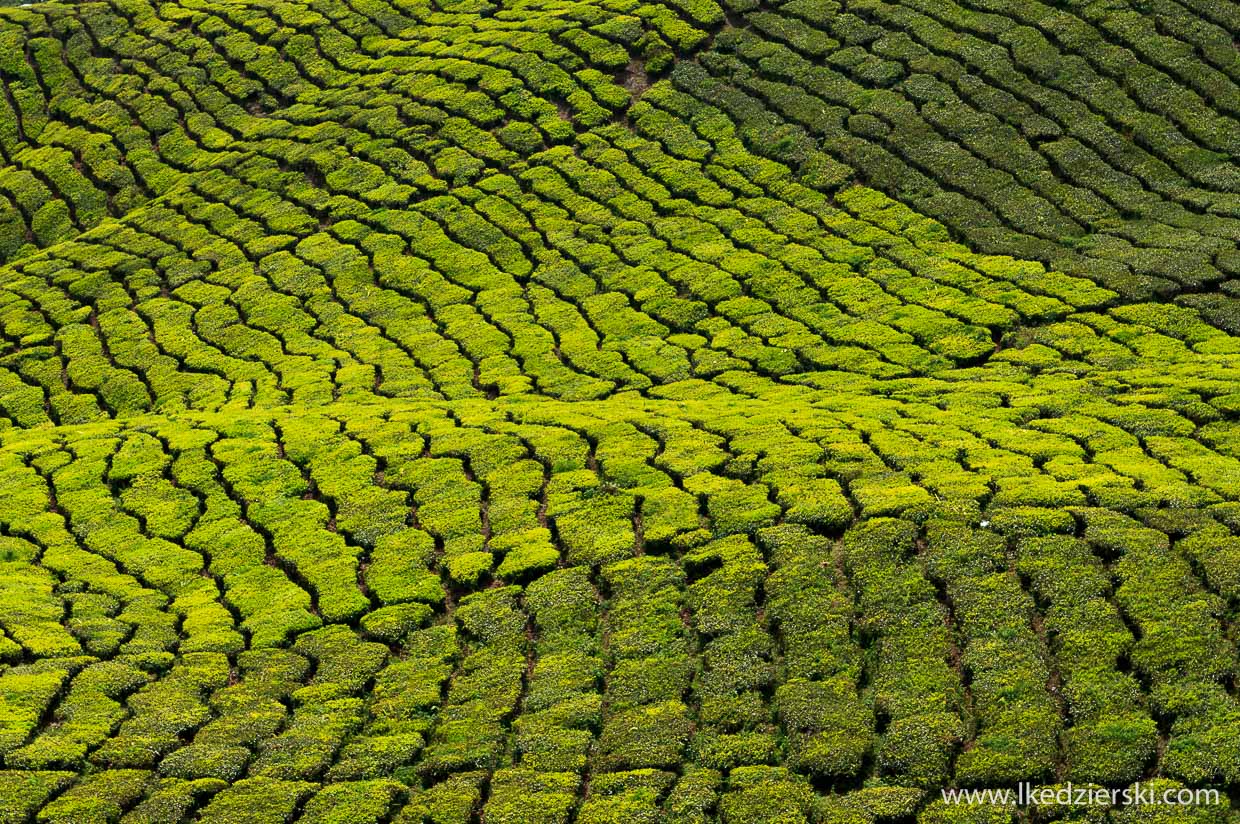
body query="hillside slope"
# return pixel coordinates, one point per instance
(616, 411)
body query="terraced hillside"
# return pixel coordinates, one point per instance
(603, 411)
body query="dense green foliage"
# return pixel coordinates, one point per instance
(616, 410)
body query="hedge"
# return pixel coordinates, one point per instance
(666, 411)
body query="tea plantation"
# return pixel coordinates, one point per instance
(618, 411)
